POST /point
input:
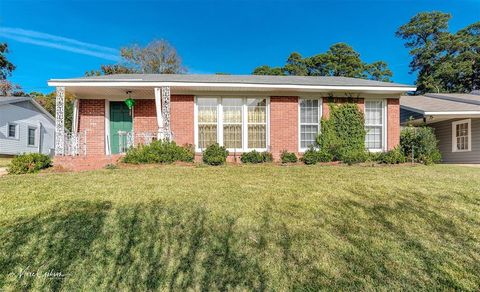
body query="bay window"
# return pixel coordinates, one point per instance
(375, 125)
(239, 124)
(310, 113)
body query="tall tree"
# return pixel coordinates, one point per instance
(340, 60)
(6, 67)
(442, 61)
(158, 57)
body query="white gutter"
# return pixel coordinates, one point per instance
(452, 113)
(226, 85)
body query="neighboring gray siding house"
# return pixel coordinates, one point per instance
(25, 126)
(455, 118)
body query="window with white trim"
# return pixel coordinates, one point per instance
(375, 125)
(461, 136)
(31, 136)
(207, 118)
(12, 130)
(310, 113)
(239, 124)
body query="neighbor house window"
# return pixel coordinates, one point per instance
(234, 122)
(461, 136)
(207, 121)
(12, 130)
(310, 113)
(375, 125)
(31, 136)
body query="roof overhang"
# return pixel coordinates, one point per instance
(217, 86)
(437, 116)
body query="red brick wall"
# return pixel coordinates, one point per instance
(283, 124)
(144, 117)
(92, 118)
(326, 107)
(393, 123)
(181, 120)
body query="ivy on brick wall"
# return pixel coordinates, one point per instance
(343, 134)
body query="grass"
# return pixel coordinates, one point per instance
(255, 227)
(5, 161)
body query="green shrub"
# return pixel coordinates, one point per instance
(288, 157)
(29, 163)
(353, 156)
(161, 151)
(215, 154)
(313, 156)
(256, 157)
(343, 134)
(394, 156)
(420, 141)
(111, 166)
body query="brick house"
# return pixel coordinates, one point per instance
(265, 113)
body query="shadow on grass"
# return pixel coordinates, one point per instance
(38, 252)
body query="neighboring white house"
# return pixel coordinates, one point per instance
(25, 126)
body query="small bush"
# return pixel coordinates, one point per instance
(161, 151)
(313, 156)
(215, 155)
(256, 157)
(420, 141)
(355, 156)
(111, 166)
(394, 156)
(288, 157)
(29, 163)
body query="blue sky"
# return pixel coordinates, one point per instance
(60, 39)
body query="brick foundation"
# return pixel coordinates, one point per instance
(283, 125)
(84, 163)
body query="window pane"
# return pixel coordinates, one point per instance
(232, 136)
(232, 110)
(309, 111)
(257, 136)
(308, 135)
(373, 139)
(257, 110)
(207, 110)
(207, 135)
(31, 136)
(11, 130)
(373, 112)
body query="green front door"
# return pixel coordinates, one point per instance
(120, 121)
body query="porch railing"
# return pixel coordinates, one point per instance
(128, 139)
(75, 143)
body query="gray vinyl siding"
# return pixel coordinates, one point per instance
(443, 131)
(24, 115)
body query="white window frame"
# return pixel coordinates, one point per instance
(384, 124)
(454, 135)
(16, 131)
(244, 123)
(300, 124)
(34, 137)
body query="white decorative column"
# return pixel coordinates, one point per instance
(60, 121)
(158, 107)
(166, 112)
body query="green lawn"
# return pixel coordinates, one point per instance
(5, 161)
(242, 227)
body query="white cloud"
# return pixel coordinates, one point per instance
(58, 42)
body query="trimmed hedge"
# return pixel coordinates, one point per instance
(256, 157)
(29, 163)
(313, 156)
(160, 151)
(215, 155)
(288, 157)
